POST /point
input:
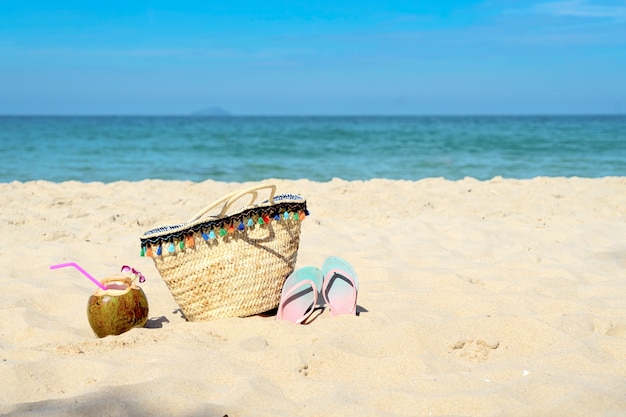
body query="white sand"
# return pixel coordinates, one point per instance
(495, 298)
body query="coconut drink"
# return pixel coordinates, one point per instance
(119, 308)
(118, 305)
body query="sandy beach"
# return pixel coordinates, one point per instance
(477, 298)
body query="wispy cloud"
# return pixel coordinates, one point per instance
(581, 8)
(567, 23)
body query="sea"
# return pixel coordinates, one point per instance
(319, 148)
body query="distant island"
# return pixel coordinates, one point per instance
(211, 111)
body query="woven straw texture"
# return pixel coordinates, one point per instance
(240, 270)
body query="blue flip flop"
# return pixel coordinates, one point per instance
(299, 295)
(341, 286)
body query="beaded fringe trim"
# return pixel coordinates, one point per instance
(162, 243)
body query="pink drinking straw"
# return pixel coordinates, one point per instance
(85, 273)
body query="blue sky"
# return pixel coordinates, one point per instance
(322, 57)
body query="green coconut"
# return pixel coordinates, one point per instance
(119, 308)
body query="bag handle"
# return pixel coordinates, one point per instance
(231, 198)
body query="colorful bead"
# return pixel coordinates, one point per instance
(218, 228)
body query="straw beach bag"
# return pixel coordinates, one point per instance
(230, 264)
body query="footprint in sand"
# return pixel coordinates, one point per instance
(609, 328)
(253, 344)
(475, 350)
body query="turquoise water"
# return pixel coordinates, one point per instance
(318, 148)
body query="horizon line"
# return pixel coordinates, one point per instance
(229, 115)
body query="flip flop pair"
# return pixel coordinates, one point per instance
(336, 283)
